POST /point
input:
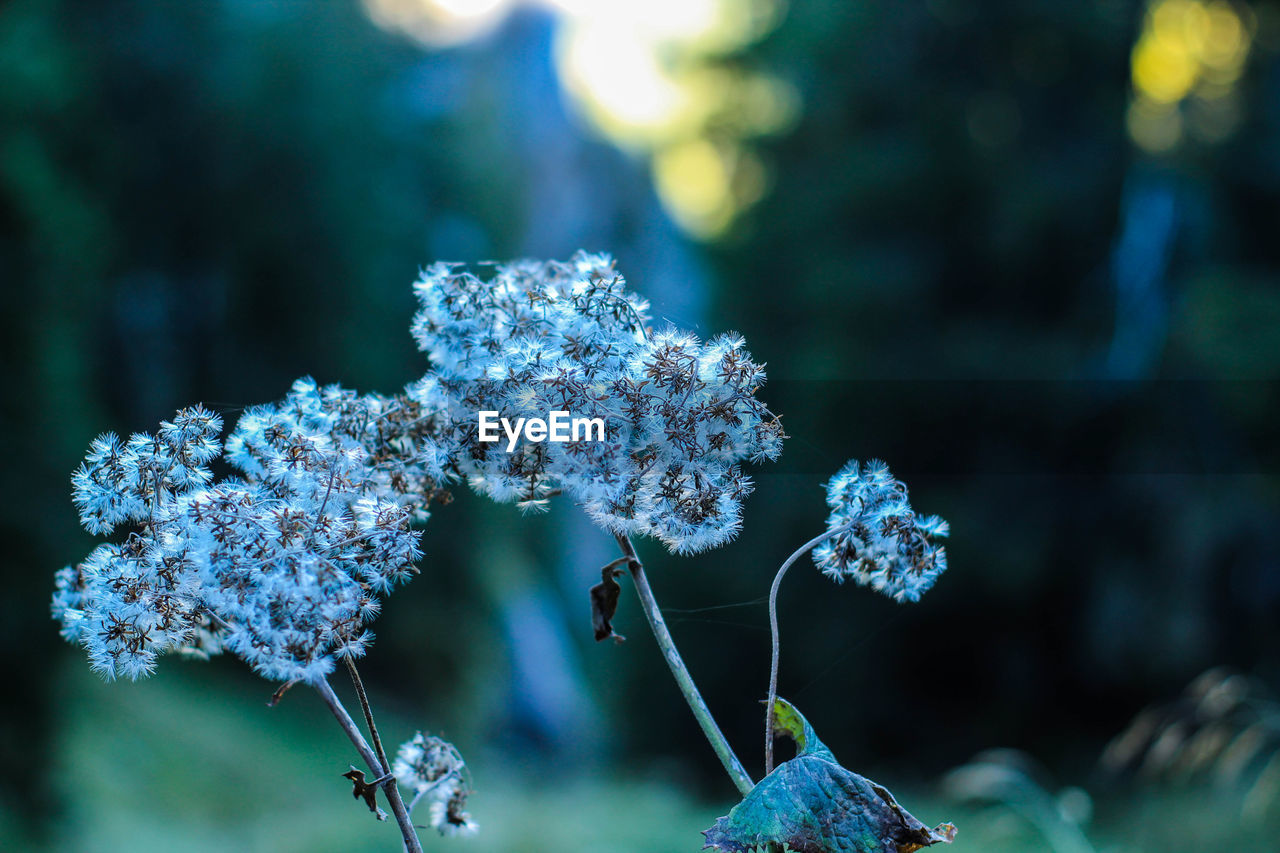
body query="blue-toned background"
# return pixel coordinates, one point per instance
(1025, 252)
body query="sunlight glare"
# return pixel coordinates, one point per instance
(438, 23)
(653, 78)
(620, 80)
(1189, 52)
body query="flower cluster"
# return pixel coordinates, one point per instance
(119, 482)
(330, 443)
(882, 543)
(129, 603)
(434, 771)
(679, 414)
(284, 567)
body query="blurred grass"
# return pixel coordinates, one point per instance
(194, 760)
(181, 761)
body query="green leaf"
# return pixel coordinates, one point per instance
(811, 804)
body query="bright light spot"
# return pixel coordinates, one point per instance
(438, 22)
(1170, 20)
(1225, 40)
(1163, 70)
(468, 8)
(1195, 21)
(694, 181)
(621, 81)
(652, 20)
(651, 76)
(1187, 48)
(708, 26)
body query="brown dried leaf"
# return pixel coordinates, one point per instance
(604, 603)
(360, 789)
(279, 694)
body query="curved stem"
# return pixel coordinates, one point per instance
(777, 644)
(411, 842)
(658, 625)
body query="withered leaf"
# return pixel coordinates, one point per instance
(813, 805)
(279, 694)
(604, 602)
(366, 790)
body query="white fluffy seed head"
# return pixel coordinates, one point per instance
(883, 543)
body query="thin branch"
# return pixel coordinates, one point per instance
(422, 792)
(712, 731)
(377, 761)
(368, 714)
(333, 473)
(411, 842)
(216, 619)
(777, 644)
(616, 564)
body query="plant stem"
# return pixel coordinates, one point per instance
(368, 714)
(777, 644)
(658, 625)
(411, 842)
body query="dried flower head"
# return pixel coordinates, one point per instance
(119, 482)
(284, 568)
(882, 542)
(434, 771)
(330, 442)
(679, 414)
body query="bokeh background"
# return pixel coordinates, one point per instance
(1026, 252)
